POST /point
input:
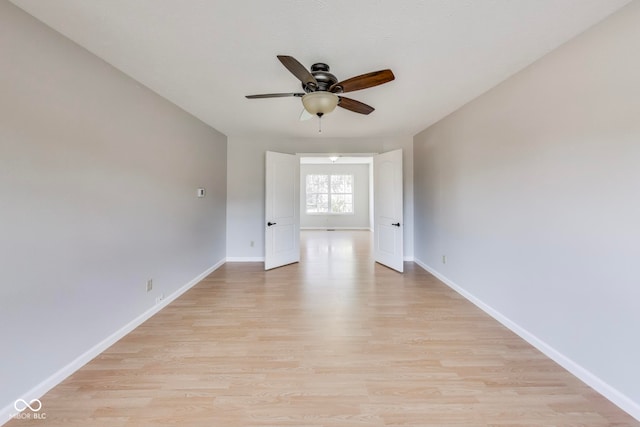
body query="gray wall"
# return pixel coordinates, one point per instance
(360, 216)
(533, 193)
(245, 184)
(98, 180)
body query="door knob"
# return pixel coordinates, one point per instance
(271, 223)
(397, 224)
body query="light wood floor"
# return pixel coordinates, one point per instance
(332, 341)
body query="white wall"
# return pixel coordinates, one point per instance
(533, 193)
(245, 184)
(98, 178)
(360, 216)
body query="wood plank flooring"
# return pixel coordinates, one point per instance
(332, 341)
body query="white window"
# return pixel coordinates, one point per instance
(329, 194)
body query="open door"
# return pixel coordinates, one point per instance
(387, 225)
(282, 210)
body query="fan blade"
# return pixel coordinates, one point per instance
(298, 70)
(273, 95)
(355, 106)
(364, 81)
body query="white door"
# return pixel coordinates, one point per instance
(282, 208)
(387, 225)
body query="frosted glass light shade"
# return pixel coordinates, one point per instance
(320, 102)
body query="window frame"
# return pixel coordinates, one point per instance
(329, 193)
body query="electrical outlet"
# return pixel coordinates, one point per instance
(444, 259)
(149, 285)
(159, 298)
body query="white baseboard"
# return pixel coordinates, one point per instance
(41, 389)
(618, 398)
(335, 228)
(245, 259)
(408, 258)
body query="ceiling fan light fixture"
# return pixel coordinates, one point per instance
(320, 102)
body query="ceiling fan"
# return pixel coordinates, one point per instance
(321, 87)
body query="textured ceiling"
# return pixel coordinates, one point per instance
(205, 55)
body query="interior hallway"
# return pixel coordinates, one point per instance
(332, 341)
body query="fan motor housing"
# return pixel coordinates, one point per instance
(322, 75)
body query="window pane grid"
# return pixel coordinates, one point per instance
(329, 194)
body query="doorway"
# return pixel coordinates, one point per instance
(334, 192)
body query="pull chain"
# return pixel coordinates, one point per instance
(319, 123)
